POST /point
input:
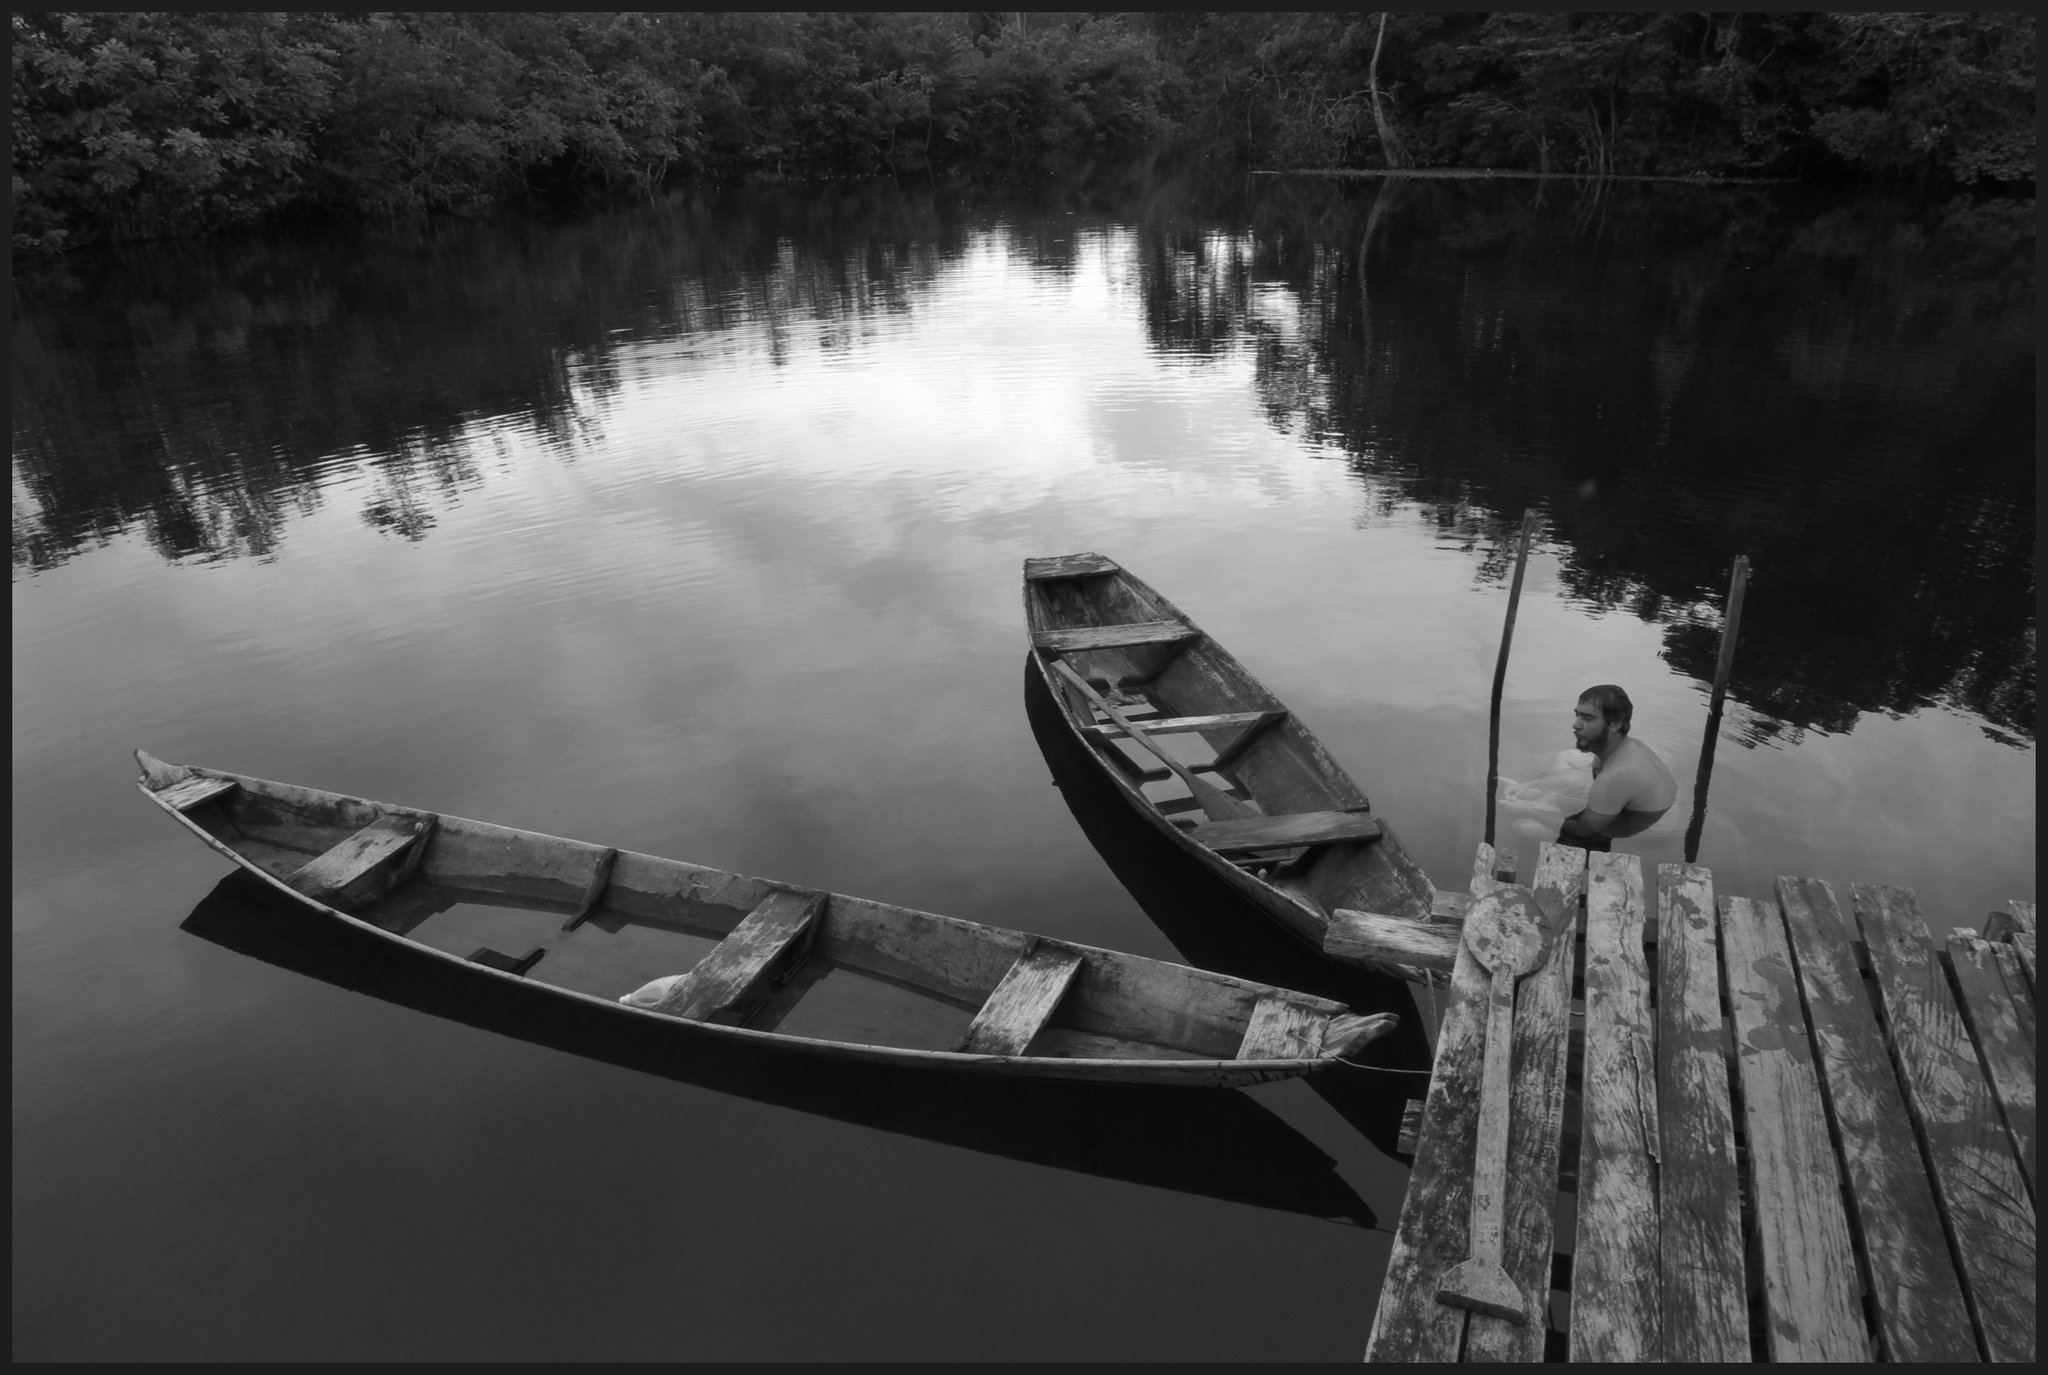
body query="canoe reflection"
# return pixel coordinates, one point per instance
(1218, 1143)
(1213, 927)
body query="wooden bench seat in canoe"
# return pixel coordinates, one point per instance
(194, 791)
(1024, 1001)
(1292, 828)
(329, 877)
(1080, 639)
(1281, 1029)
(771, 940)
(1068, 566)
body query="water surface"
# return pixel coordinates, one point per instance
(695, 528)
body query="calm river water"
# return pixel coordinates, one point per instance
(696, 528)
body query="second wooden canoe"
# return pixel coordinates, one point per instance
(1250, 794)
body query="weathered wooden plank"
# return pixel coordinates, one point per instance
(1701, 1308)
(1024, 1001)
(195, 790)
(2023, 951)
(1409, 1324)
(1918, 1299)
(1067, 566)
(1977, 1183)
(1293, 828)
(1999, 1011)
(1542, 1023)
(1082, 638)
(1281, 1029)
(1812, 1296)
(1614, 1265)
(325, 877)
(2016, 919)
(725, 982)
(1372, 938)
(1247, 737)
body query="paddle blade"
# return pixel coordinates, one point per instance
(1483, 1287)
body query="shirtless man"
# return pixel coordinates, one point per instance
(1631, 787)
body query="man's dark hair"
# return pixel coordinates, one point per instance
(1615, 708)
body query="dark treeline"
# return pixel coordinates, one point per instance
(137, 125)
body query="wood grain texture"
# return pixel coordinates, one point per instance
(324, 878)
(1701, 1305)
(1409, 1324)
(1386, 942)
(2023, 952)
(1536, 1123)
(1080, 639)
(1998, 1007)
(1614, 1265)
(1813, 1299)
(1977, 1182)
(726, 981)
(1281, 1029)
(1023, 1002)
(194, 791)
(1916, 1294)
(1067, 566)
(1296, 828)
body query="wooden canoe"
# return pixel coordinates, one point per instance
(712, 954)
(1266, 809)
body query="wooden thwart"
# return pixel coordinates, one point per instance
(195, 790)
(728, 981)
(1067, 566)
(325, 879)
(1280, 1029)
(1294, 828)
(1132, 633)
(1024, 1001)
(1369, 937)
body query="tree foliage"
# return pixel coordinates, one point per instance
(133, 125)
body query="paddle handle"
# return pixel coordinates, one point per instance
(1490, 1153)
(1130, 728)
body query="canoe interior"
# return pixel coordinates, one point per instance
(874, 974)
(1280, 767)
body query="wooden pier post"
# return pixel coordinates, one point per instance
(1731, 623)
(1500, 669)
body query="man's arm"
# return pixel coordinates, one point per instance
(1605, 803)
(1589, 824)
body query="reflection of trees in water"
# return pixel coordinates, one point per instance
(1677, 376)
(1674, 375)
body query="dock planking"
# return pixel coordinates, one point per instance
(1883, 1106)
(1701, 1304)
(1998, 1008)
(1614, 1267)
(1434, 1231)
(1811, 1292)
(1977, 1181)
(1916, 1296)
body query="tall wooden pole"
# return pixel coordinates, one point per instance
(1731, 622)
(1500, 669)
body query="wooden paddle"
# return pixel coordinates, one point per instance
(1216, 804)
(1508, 939)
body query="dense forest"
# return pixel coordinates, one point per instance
(139, 125)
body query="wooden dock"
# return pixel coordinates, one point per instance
(1741, 1129)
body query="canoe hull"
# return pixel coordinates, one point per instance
(1284, 770)
(534, 869)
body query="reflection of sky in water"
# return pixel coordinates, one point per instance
(779, 560)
